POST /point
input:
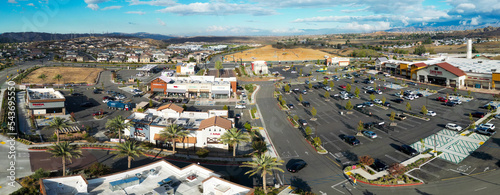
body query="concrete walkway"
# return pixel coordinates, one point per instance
(271, 150)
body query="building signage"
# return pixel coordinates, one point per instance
(38, 104)
(214, 133)
(435, 72)
(139, 134)
(175, 86)
(140, 129)
(156, 84)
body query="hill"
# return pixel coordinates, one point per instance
(10, 37)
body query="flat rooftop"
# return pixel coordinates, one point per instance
(475, 65)
(44, 94)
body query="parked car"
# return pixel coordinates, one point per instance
(328, 88)
(408, 150)
(297, 166)
(97, 91)
(420, 95)
(442, 99)
(387, 104)
(343, 86)
(478, 114)
(302, 122)
(306, 104)
(431, 113)
(409, 97)
(398, 95)
(369, 104)
(185, 101)
(304, 92)
(351, 140)
(379, 165)
(370, 134)
(377, 101)
(491, 106)
(399, 100)
(76, 94)
(359, 106)
(97, 113)
(453, 126)
(485, 131)
(240, 106)
(487, 125)
(450, 103)
(457, 101)
(400, 117)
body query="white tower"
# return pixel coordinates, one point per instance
(469, 49)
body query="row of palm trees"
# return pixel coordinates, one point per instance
(58, 77)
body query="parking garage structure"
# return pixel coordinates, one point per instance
(45, 102)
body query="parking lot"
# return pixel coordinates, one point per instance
(333, 121)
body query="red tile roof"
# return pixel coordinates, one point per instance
(452, 69)
(420, 64)
(215, 121)
(171, 106)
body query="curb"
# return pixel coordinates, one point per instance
(384, 185)
(425, 119)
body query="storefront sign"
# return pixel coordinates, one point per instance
(214, 133)
(140, 129)
(156, 84)
(39, 104)
(435, 72)
(139, 134)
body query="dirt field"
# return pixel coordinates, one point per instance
(69, 75)
(268, 53)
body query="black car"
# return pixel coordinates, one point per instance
(290, 106)
(408, 150)
(491, 106)
(297, 166)
(420, 95)
(137, 95)
(302, 122)
(451, 104)
(387, 104)
(178, 100)
(97, 91)
(378, 165)
(399, 100)
(86, 104)
(316, 86)
(306, 104)
(237, 116)
(351, 140)
(478, 114)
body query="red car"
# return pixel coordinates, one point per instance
(442, 99)
(343, 86)
(325, 77)
(97, 113)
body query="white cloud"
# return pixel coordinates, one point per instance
(367, 27)
(217, 8)
(111, 7)
(466, 6)
(154, 2)
(12, 1)
(92, 4)
(287, 31)
(136, 12)
(463, 22)
(354, 10)
(31, 4)
(344, 18)
(475, 20)
(160, 22)
(227, 30)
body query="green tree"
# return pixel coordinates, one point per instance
(65, 151)
(408, 106)
(71, 90)
(310, 85)
(129, 149)
(356, 92)
(419, 50)
(455, 90)
(118, 124)
(173, 132)
(348, 88)
(489, 107)
(424, 110)
(58, 77)
(392, 116)
(422, 142)
(57, 123)
(138, 83)
(360, 126)
(383, 99)
(327, 94)
(42, 76)
(325, 82)
(308, 131)
(314, 112)
(264, 165)
(247, 126)
(150, 103)
(224, 107)
(332, 84)
(287, 88)
(300, 98)
(372, 97)
(348, 105)
(469, 92)
(218, 66)
(233, 137)
(374, 85)
(300, 72)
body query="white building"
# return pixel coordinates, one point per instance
(46, 101)
(337, 61)
(260, 67)
(205, 128)
(195, 86)
(185, 68)
(160, 177)
(133, 59)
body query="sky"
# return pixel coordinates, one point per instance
(240, 17)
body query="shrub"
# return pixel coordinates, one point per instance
(202, 152)
(91, 139)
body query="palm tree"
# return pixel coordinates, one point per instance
(65, 151)
(233, 137)
(173, 132)
(43, 77)
(58, 77)
(128, 149)
(264, 165)
(118, 124)
(57, 123)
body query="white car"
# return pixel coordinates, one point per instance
(431, 113)
(453, 126)
(313, 79)
(240, 106)
(487, 125)
(293, 71)
(456, 101)
(398, 95)
(409, 97)
(377, 101)
(327, 88)
(387, 75)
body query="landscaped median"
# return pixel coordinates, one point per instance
(417, 116)
(395, 176)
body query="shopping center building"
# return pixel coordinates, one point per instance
(45, 101)
(211, 87)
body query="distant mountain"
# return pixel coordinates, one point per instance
(40, 36)
(210, 39)
(443, 28)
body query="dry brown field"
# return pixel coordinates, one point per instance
(268, 53)
(69, 75)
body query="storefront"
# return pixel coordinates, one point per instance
(176, 90)
(479, 80)
(442, 74)
(221, 92)
(45, 102)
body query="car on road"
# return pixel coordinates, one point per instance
(487, 125)
(412, 83)
(290, 106)
(485, 131)
(350, 140)
(400, 117)
(379, 165)
(377, 101)
(238, 116)
(453, 126)
(431, 113)
(478, 114)
(97, 91)
(240, 106)
(370, 134)
(343, 86)
(302, 122)
(399, 100)
(442, 99)
(297, 166)
(306, 104)
(370, 104)
(86, 104)
(408, 150)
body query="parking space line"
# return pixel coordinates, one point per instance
(329, 141)
(392, 158)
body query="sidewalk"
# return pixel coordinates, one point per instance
(271, 150)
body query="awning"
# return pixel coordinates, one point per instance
(220, 92)
(204, 90)
(158, 89)
(174, 90)
(193, 90)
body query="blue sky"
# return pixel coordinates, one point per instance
(243, 17)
